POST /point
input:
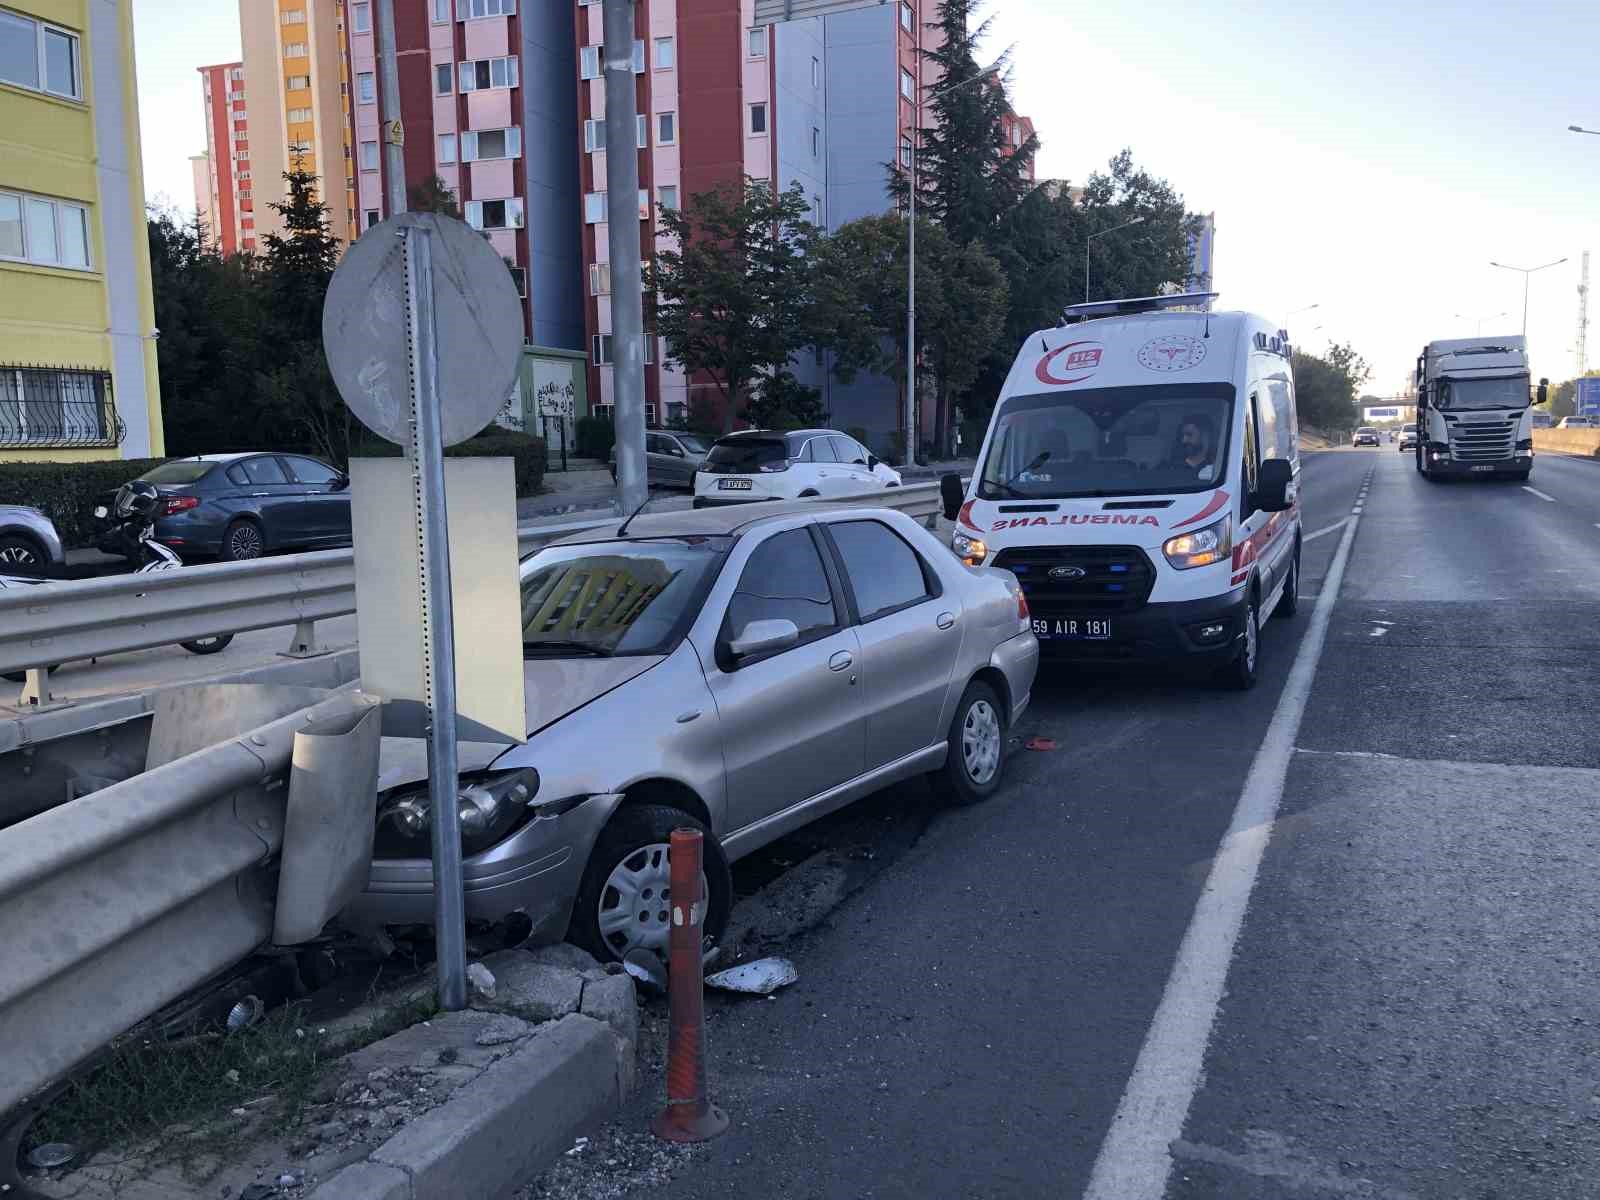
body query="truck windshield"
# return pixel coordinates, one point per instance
(1109, 442)
(1464, 394)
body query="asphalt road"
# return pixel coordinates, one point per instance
(1330, 938)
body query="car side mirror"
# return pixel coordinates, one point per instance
(872, 462)
(952, 494)
(764, 637)
(1274, 485)
(1544, 391)
(341, 481)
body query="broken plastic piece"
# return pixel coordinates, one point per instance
(482, 980)
(52, 1154)
(646, 966)
(1039, 743)
(759, 978)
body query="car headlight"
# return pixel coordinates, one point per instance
(490, 806)
(970, 550)
(1200, 548)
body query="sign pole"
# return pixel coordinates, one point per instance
(394, 160)
(627, 290)
(438, 623)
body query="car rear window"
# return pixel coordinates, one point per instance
(747, 454)
(183, 471)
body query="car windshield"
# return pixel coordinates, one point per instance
(616, 598)
(747, 453)
(1109, 442)
(1372, 432)
(1507, 392)
(183, 471)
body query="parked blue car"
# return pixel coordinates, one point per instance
(239, 506)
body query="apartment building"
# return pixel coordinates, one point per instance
(295, 62)
(824, 102)
(77, 316)
(224, 196)
(1014, 134)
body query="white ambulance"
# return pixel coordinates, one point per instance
(1140, 478)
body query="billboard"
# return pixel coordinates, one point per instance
(1392, 412)
(1586, 400)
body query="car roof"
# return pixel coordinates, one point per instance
(731, 520)
(780, 433)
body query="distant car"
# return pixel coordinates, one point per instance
(1408, 436)
(240, 506)
(761, 464)
(28, 540)
(1576, 423)
(1365, 437)
(671, 458)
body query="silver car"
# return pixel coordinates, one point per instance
(744, 672)
(671, 459)
(28, 540)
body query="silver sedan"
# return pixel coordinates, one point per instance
(28, 540)
(743, 672)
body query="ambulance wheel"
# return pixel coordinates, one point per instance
(1289, 602)
(1242, 672)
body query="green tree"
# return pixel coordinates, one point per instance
(780, 401)
(733, 299)
(1326, 387)
(432, 195)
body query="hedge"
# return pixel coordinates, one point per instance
(65, 491)
(526, 452)
(596, 436)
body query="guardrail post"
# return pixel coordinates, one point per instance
(36, 691)
(303, 642)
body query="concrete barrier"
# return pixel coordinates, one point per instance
(1585, 443)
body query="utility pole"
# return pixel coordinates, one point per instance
(394, 157)
(627, 285)
(1580, 346)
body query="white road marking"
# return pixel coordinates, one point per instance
(1377, 632)
(1135, 1159)
(1334, 528)
(1538, 493)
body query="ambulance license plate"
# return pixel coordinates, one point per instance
(1080, 629)
(734, 485)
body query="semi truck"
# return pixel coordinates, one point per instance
(1474, 408)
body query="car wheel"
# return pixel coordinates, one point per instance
(1243, 671)
(1289, 602)
(242, 540)
(19, 551)
(209, 645)
(623, 901)
(977, 741)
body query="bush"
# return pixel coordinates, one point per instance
(526, 452)
(595, 437)
(65, 491)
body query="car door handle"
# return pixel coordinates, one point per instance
(946, 620)
(841, 661)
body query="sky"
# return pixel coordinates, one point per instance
(1369, 158)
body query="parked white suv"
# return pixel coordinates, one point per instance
(762, 464)
(1576, 423)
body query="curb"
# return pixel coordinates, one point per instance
(501, 1128)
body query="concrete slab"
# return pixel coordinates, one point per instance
(532, 989)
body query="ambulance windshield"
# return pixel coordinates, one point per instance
(1152, 439)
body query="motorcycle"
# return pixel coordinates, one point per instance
(134, 509)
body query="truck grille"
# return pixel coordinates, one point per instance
(1115, 578)
(1483, 440)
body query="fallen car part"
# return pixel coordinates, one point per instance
(759, 978)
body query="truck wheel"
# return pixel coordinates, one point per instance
(1241, 674)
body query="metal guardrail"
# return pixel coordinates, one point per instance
(52, 623)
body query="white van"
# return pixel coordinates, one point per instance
(1140, 479)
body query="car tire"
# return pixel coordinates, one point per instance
(242, 541)
(210, 645)
(1289, 602)
(977, 748)
(635, 841)
(1241, 674)
(20, 551)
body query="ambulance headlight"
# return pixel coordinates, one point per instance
(970, 550)
(1202, 547)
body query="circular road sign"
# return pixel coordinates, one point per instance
(477, 317)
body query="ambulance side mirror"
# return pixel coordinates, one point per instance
(952, 494)
(1274, 485)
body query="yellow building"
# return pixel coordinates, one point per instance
(77, 316)
(294, 62)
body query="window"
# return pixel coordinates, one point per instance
(669, 198)
(39, 56)
(263, 469)
(642, 129)
(494, 214)
(594, 136)
(444, 76)
(784, 581)
(907, 19)
(519, 276)
(600, 348)
(296, 17)
(487, 73)
(297, 82)
(491, 143)
(885, 574)
(758, 118)
(816, 142)
(51, 407)
(309, 470)
(908, 85)
(594, 207)
(295, 50)
(599, 279)
(490, 8)
(819, 450)
(816, 73)
(237, 74)
(369, 156)
(447, 148)
(816, 210)
(758, 43)
(53, 233)
(666, 54)
(441, 11)
(905, 151)
(589, 62)
(644, 204)
(666, 129)
(361, 18)
(372, 218)
(366, 88)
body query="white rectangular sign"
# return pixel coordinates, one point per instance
(771, 12)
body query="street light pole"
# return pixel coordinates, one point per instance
(1527, 274)
(1478, 321)
(1088, 241)
(1297, 312)
(1581, 129)
(622, 224)
(394, 155)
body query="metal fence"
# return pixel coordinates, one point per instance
(57, 408)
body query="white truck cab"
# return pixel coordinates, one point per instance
(1139, 477)
(1474, 408)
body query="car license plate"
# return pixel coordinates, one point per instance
(100, 510)
(1488, 468)
(1083, 629)
(734, 485)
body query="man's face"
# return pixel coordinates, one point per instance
(1193, 441)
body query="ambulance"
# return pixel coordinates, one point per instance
(1140, 478)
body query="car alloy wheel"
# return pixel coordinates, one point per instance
(980, 742)
(244, 541)
(634, 907)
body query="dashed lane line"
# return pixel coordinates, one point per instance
(1535, 491)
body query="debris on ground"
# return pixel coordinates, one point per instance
(759, 978)
(52, 1154)
(482, 980)
(646, 967)
(1040, 743)
(614, 1164)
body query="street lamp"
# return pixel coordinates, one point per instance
(1089, 241)
(1581, 129)
(1527, 273)
(1478, 321)
(1297, 312)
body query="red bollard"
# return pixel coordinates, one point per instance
(689, 1115)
